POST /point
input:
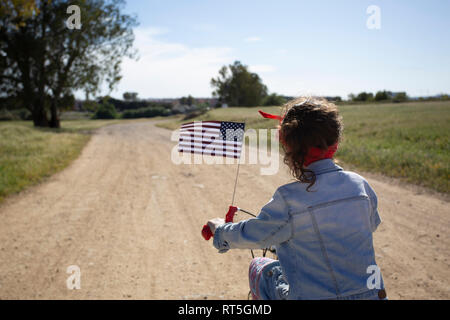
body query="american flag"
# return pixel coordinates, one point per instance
(215, 138)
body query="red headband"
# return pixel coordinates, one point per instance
(270, 116)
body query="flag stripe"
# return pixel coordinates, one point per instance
(211, 152)
(208, 142)
(211, 145)
(210, 131)
(200, 128)
(201, 125)
(206, 137)
(212, 155)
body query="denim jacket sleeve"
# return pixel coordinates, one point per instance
(375, 219)
(271, 227)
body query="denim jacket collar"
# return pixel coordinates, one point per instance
(323, 166)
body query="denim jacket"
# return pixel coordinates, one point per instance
(323, 236)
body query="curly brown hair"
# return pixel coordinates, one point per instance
(308, 122)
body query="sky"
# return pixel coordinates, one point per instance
(321, 47)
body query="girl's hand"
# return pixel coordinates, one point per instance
(214, 223)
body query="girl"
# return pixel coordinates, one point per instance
(321, 225)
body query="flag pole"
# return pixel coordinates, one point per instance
(235, 181)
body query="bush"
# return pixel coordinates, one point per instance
(400, 97)
(364, 96)
(146, 113)
(106, 110)
(383, 95)
(19, 114)
(22, 114)
(274, 100)
(90, 106)
(195, 113)
(5, 115)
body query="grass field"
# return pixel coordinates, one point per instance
(29, 154)
(410, 141)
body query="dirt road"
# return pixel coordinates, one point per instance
(130, 219)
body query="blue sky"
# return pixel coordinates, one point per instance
(321, 47)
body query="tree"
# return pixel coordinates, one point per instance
(351, 97)
(130, 96)
(18, 11)
(42, 61)
(400, 97)
(383, 95)
(364, 96)
(274, 100)
(189, 100)
(90, 105)
(236, 86)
